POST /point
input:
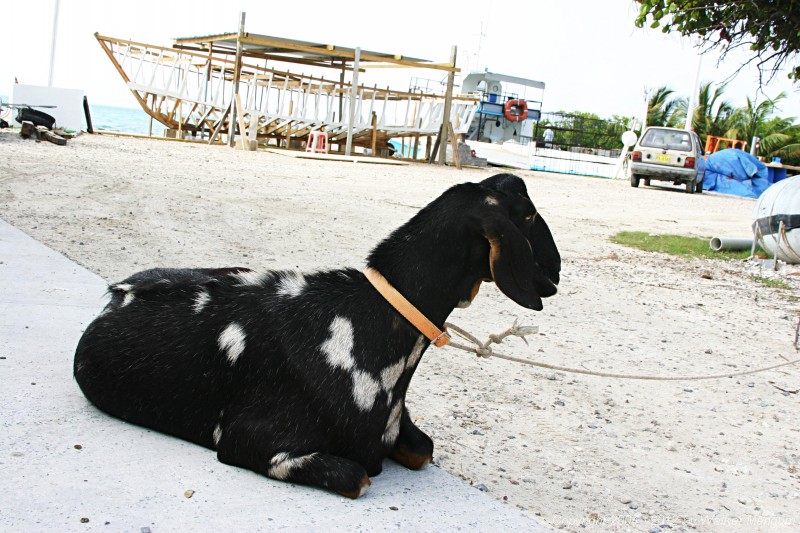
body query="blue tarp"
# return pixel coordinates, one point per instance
(734, 171)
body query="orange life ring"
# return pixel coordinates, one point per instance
(516, 110)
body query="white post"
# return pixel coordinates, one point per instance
(53, 46)
(353, 95)
(694, 94)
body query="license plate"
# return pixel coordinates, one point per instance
(662, 158)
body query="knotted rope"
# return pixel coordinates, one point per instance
(484, 349)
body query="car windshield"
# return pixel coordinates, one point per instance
(667, 140)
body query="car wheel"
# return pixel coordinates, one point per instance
(646, 182)
(634, 180)
(690, 187)
(699, 187)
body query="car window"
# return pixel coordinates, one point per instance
(667, 140)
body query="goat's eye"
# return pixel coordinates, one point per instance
(529, 217)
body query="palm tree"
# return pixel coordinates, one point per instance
(779, 136)
(712, 115)
(663, 110)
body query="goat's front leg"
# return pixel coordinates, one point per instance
(253, 444)
(413, 448)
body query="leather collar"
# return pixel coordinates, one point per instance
(438, 337)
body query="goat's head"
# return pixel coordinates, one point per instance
(487, 231)
(523, 258)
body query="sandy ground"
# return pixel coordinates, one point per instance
(576, 452)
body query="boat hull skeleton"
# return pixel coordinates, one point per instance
(191, 92)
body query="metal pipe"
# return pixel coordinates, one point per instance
(731, 243)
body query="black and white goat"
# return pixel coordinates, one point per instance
(300, 377)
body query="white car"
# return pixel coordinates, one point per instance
(668, 154)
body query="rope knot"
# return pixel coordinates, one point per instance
(484, 351)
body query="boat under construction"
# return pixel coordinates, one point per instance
(239, 84)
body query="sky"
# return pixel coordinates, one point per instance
(588, 52)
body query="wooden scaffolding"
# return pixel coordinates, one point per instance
(238, 84)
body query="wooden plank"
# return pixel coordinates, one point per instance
(237, 72)
(448, 100)
(454, 144)
(244, 140)
(46, 134)
(219, 124)
(374, 133)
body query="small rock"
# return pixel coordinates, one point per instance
(78, 447)
(743, 501)
(189, 493)
(624, 500)
(633, 505)
(671, 447)
(688, 390)
(655, 530)
(394, 508)
(477, 432)
(84, 520)
(481, 487)
(567, 485)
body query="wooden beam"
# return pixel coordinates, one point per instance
(454, 144)
(374, 133)
(448, 102)
(219, 124)
(236, 74)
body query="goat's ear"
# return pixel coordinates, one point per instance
(545, 251)
(512, 263)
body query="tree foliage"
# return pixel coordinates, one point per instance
(769, 28)
(663, 109)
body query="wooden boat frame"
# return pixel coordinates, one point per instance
(206, 86)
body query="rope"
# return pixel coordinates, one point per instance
(484, 349)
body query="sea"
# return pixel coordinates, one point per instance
(123, 119)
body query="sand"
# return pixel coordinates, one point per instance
(575, 452)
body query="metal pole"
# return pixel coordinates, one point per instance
(53, 46)
(236, 74)
(353, 95)
(693, 95)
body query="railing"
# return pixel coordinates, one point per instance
(190, 92)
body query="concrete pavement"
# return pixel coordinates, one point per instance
(65, 466)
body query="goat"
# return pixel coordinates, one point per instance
(303, 377)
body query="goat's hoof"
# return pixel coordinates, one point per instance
(363, 485)
(410, 459)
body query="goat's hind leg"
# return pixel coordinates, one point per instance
(413, 448)
(255, 444)
(327, 471)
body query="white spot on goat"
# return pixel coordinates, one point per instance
(129, 297)
(200, 300)
(124, 287)
(416, 352)
(338, 349)
(292, 284)
(251, 278)
(393, 424)
(217, 434)
(365, 390)
(391, 374)
(231, 341)
(491, 200)
(282, 464)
